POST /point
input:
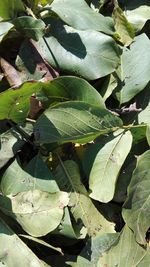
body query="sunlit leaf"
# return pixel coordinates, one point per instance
(73, 51)
(83, 210)
(78, 15)
(134, 73)
(36, 211)
(110, 157)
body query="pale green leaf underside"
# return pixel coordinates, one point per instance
(36, 211)
(106, 166)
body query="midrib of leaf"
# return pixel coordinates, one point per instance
(76, 194)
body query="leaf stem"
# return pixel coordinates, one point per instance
(130, 126)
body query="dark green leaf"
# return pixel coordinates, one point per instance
(74, 121)
(30, 27)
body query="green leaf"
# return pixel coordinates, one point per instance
(14, 104)
(10, 143)
(95, 247)
(144, 103)
(148, 134)
(37, 212)
(110, 157)
(137, 12)
(80, 16)
(136, 208)
(123, 27)
(83, 210)
(135, 68)
(110, 83)
(73, 51)
(4, 29)
(68, 88)
(70, 230)
(35, 176)
(74, 121)
(30, 27)
(126, 252)
(10, 9)
(13, 251)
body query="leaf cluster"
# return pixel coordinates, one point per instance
(74, 133)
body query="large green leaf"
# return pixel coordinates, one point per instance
(4, 29)
(10, 9)
(73, 51)
(137, 12)
(80, 16)
(134, 71)
(36, 211)
(123, 28)
(136, 208)
(110, 157)
(30, 27)
(13, 251)
(94, 248)
(35, 176)
(74, 121)
(15, 104)
(68, 178)
(10, 143)
(126, 252)
(67, 88)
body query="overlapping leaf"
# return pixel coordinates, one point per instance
(110, 157)
(36, 211)
(83, 210)
(13, 251)
(78, 15)
(35, 176)
(73, 51)
(74, 121)
(30, 27)
(10, 143)
(126, 252)
(134, 78)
